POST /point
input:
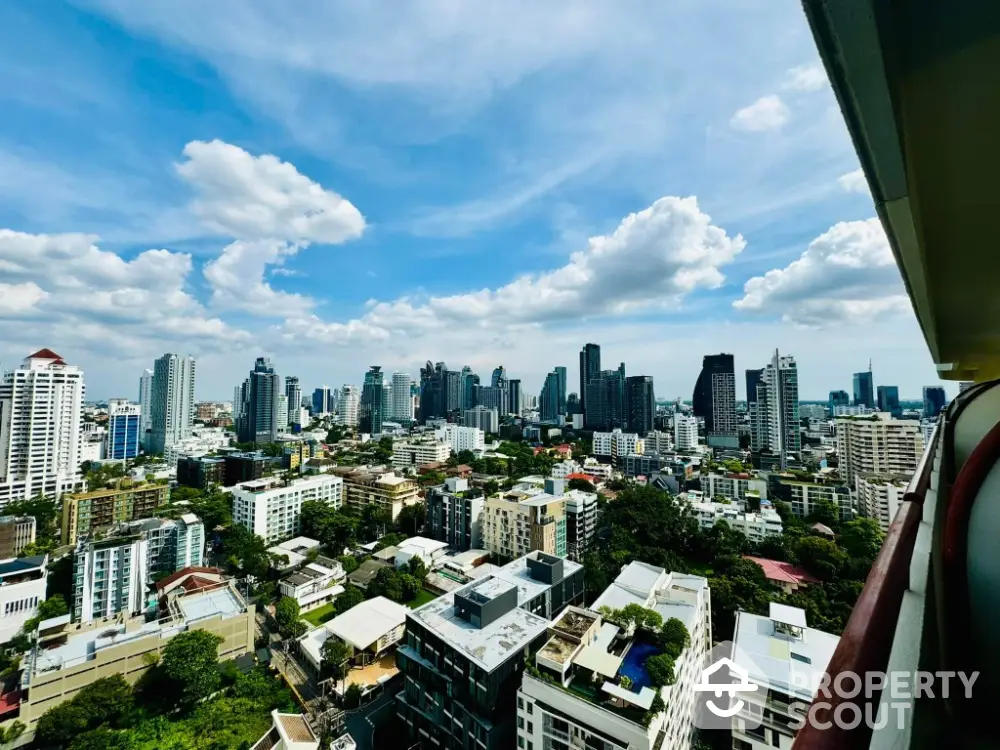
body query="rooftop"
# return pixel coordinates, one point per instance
(22, 565)
(783, 572)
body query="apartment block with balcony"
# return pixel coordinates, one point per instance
(271, 509)
(99, 510)
(786, 659)
(804, 491)
(408, 454)
(581, 522)
(464, 654)
(454, 514)
(22, 588)
(66, 657)
(731, 485)
(576, 694)
(517, 523)
(878, 444)
(617, 444)
(754, 526)
(16, 533)
(880, 495)
(384, 489)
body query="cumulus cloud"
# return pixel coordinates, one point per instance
(767, 113)
(854, 182)
(846, 274)
(237, 279)
(261, 197)
(805, 78)
(19, 298)
(653, 259)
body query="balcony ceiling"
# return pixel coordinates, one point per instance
(918, 82)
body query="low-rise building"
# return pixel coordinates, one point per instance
(427, 550)
(577, 693)
(313, 585)
(22, 588)
(16, 533)
(460, 438)
(731, 485)
(290, 732)
(617, 444)
(271, 509)
(787, 661)
(96, 511)
(408, 454)
(563, 469)
(386, 490)
(803, 493)
(596, 469)
(517, 523)
(465, 650)
(201, 471)
(244, 467)
(754, 526)
(787, 577)
(581, 522)
(68, 656)
(365, 573)
(294, 550)
(879, 496)
(454, 514)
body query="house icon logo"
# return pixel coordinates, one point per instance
(742, 684)
(725, 694)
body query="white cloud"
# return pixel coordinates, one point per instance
(20, 298)
(652, 260)
(846, 274)
(767, 113)
(805, 78)
(237, 279)
(262, 197)
(854, 182)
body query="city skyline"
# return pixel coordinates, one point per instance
(278, 222)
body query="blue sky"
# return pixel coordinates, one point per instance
(357, 183)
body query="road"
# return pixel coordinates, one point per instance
(361, 722)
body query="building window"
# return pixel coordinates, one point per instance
(531, 708)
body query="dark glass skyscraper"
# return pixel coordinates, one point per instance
(714, 399)
(293, 394)
(469, 383)
(606, 400)
(640, 404)
(888, 400)
(590, 365)
(838, 398)
(561, 392)
(433, 391)
(259, 412)
(514, 396)
(549, 399)
(370, 416)
(864, 389)
(934, 401)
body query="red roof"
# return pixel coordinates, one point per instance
(783, 572)
(47, 354)
(564, 448)
(197, 583)
(578, 475)
(174, 577)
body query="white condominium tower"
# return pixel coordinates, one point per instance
(173, 401)
(402, 401)
(347, 408)
(41, 404)
(146, 406)
(774, 408)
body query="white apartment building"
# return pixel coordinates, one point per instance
(22, 587)
(754, 526)
(412, 453)
(786, 659)
(173, 401)
(804, 496)
(145, 405)
(282, 425)
(271, 510)
(853, 411)
(201, 442)
(584, 647)
(41, 404)
(348, 406)
(596, 469)
(659, 442)
(733, 486)
(461, 438)
(581, 522)
(563, 469)
(402, 400)
(313, 585)
(617, 443)
(879, 496)
(93, 442)
(485, 419)
(685, 432)
(878, 445)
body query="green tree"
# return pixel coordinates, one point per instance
(465, 457)
(387, 583)
(821, 557)
(60, 724)
(334, 658)
(416, 567)
(826, 513)
(352, 696)
(246, 553)
(389, 540)
(103, 738)
(411, 519)
(45, 511)
(54, 606)
(409, 587)
(674, 637)
(350, 563)
(11, 733)
(861, 538)
(660, 668)
(350, 597)
(191, 663)
(581, 484)
(286, 612)
(108, 700)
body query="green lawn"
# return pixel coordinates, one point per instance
(319, 615)
(422, 598)
(701, 570)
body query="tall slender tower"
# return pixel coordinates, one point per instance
(402, 401)
(172, 401)
(146, 407)
(714, 400)
(590, 365)
(293, 396)
(370, 418)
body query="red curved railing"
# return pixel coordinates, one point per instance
(867, 640)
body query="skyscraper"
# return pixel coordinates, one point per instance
(293, 394)
(640, 404)
(322, 401)
(561, 394)
(888, 400)
(453, 391)
(514, 396)
(370, 416)
(124, 429)
(259, 423)
(934, 401)
(864, 389)
(402, 402)
(549, 399)
(145, 407)
(432, 391)
(173, 401)
(469, 383)
(502, 385)
(781, 407)
(714, 400)
(605, 408)
(756, 408)
(590, 365)
(41, 405)
(838, 398)
(348, 406)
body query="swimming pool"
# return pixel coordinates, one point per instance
(633, 664)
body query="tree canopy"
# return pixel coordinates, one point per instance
(191, 663)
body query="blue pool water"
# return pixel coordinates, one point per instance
(632, 667)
